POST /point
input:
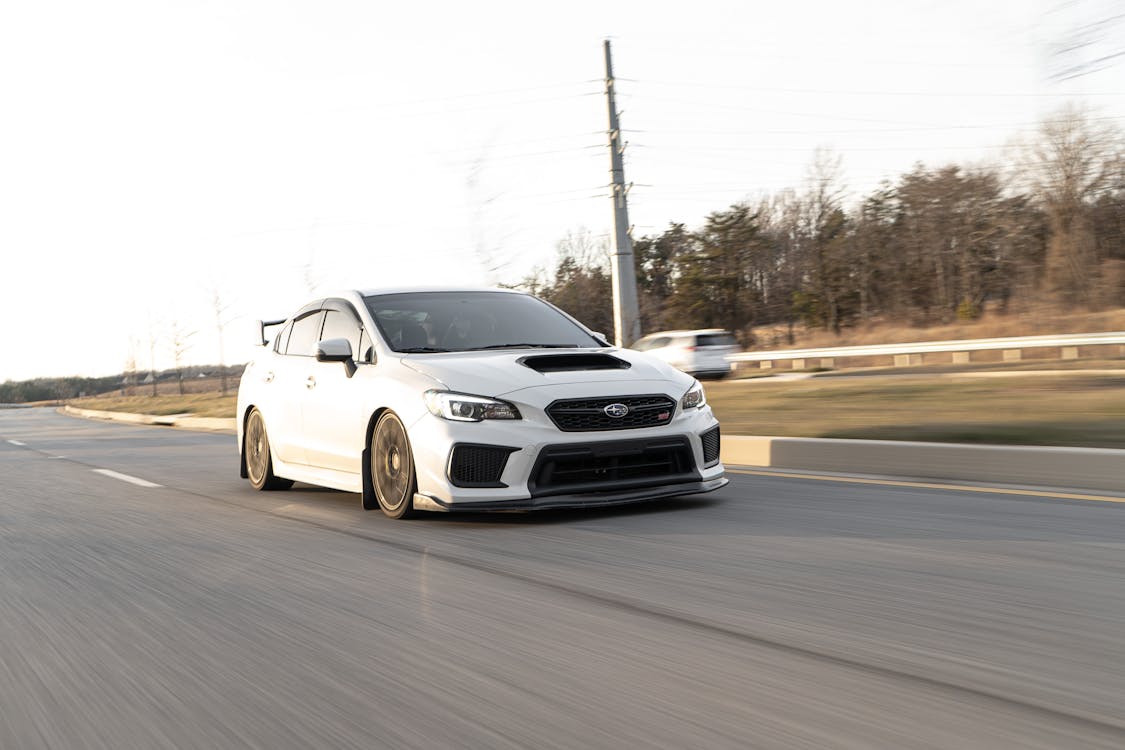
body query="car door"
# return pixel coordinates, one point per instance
(290, 372)
(335, 406)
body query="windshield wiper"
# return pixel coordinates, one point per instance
(420, 349)
(523, 346)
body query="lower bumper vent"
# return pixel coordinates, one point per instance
(478, 465)
(710, 440)
(622, 464)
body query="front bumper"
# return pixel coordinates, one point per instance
(532, 440)
(580, 500)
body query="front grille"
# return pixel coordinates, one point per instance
(588, 414)
(478, 465)
(710, 440)
(620, 464)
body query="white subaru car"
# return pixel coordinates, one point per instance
(439, 400)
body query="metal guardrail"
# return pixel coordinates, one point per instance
(1013, 344)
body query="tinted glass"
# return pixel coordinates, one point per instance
(302, 341)
(716, 339)
(339, 325)
(460, 321)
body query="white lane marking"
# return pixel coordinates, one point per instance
(127, 478)
(16, 442)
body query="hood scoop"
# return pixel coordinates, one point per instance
(573, 362)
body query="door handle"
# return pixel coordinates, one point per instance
(268, 377)
(311, 382)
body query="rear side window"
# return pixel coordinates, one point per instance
(306, 331)
(715, 339)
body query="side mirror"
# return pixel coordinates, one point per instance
(336, 350)
(600, 336)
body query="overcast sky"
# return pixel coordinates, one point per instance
(152, 152)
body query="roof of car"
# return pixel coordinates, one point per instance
(684, 332)
(409, 289)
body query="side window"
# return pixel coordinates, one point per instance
(305, 333)
(339, 325)
(659, 343)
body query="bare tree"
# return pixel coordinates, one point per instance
(129, 377)
(221, 321)
(1068, 167)
(824, 226)
(180, 344)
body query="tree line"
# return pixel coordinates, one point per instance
(935, 245)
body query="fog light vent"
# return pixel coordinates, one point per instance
(710, 441)
(478, 465)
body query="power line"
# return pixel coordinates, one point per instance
(859, 131)
(867, 92)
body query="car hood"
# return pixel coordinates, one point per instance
(501, 373)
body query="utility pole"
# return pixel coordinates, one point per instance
(626, 317)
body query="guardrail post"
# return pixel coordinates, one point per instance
(902, 360)
(961, 358)
(1013, 355)
(798, 364)
(827, 362)
(1070, 352)
(765, 364)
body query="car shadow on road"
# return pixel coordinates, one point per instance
(348, 501)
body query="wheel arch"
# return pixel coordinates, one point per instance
(368, 494)
(245, 417)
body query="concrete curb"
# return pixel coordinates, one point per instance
(183, 421)
(1079, 468)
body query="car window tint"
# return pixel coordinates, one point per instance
(457, 321)
(716, 339)
(340, 325)
(303, 338)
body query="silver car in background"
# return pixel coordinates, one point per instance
(702, 353)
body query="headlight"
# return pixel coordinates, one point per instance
(461, 407)
(694, 398)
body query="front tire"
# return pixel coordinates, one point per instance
(392, 467)
(259, 462)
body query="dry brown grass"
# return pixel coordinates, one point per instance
(990, 325)
(197, 404)
(1078, 408)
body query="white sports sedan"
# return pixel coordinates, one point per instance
(444, 400)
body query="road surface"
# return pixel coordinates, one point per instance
(150, 599)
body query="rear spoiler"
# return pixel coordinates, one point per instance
(262, 326)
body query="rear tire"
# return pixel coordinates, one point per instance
(392, 467)
(259, 461)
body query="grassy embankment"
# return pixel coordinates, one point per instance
(937, 400)
(1078, 407)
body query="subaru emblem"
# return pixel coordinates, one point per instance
(617, 411)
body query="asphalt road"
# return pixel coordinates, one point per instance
(776, 613)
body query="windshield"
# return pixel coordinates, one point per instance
(469, 321)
